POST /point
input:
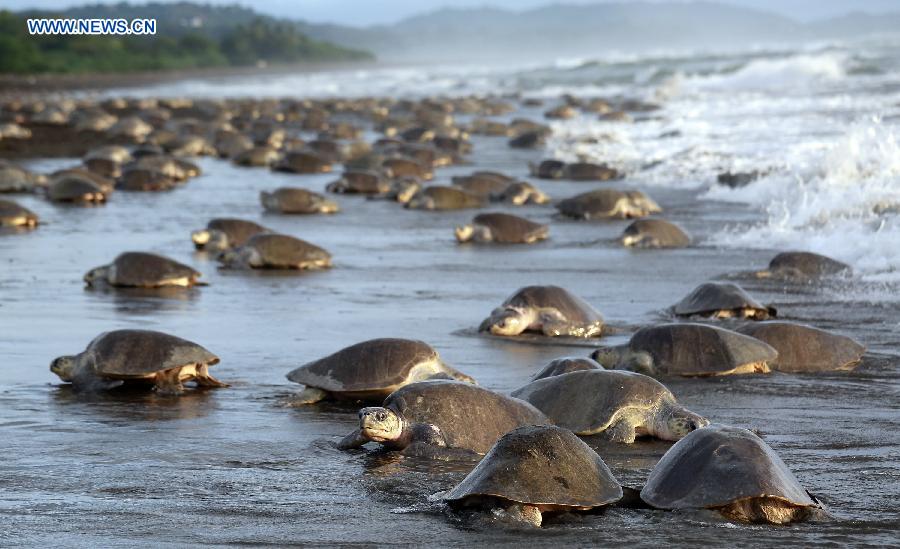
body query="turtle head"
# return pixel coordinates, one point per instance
(464, 233)
(210, 239)
(380, 424)
(239, 257)
(64, 367)
(95, 276)
(505, 321)
(678, 423)
(420, 202)
(328, 206)
(269, 201)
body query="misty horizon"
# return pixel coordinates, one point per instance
(361, 14)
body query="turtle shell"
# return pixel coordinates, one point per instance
(12, 214)
(717, 465)
(377, 365)
(295, 200)
(141, 352)
(304, 162)
(145, 270)
(803, 348)
(237, 230)
(716, 296)
(690, 349)
(587, 402)
(506, 228)
(71, 189)
(599, 203)
(565, 365)
(808, 264)
(572, 307)
(361, 182)
(541, 465)
(278, 250)
(468, 416)
(451, 198)
(481, 186)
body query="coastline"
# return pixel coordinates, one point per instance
(16, 86)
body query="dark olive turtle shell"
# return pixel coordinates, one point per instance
(541, 465)
(141, 352)
(718, 465)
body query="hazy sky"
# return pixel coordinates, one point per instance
(367, 12)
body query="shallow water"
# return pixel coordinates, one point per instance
(235, 466)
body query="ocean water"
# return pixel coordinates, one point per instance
(821, 121)
(236, 467)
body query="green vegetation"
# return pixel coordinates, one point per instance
(246, 43)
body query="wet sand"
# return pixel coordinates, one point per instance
(234, 466)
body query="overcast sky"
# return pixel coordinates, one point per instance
(367, 12)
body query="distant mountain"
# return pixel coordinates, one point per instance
(489, 34)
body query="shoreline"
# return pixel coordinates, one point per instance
(13, 86)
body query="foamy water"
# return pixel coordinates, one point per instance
(820, 121)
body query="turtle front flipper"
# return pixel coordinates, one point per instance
(352, 441)
(624, 430)
(309, 395)
(168, 382)
(204, 379)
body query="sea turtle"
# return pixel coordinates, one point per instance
(294, 200)
(804, 266)
(74, 189)
(688, 349)
(550, 310)
(439, 197)
(804, 348)
(16, 179)
(501, 228)
(371, 370)
(655, 233)
(520, 193)
(101, 163)
(11, 130)
(548, 169)
(276, 251)
(145, 180)
(142, 270)
(588, 171)
(178, 169)
(106, 184)
(14, 215)
(230, 144)
(722, 300)
(529, 139)
(130, 127)
(138, 356)
(621, 405)
(442, 413)
(561, 112)
(395, 168)
(533, 470)
(565, 365)
(225, 233)
(608, 203)
(359, 182)
(732, 471)
(260, 155)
